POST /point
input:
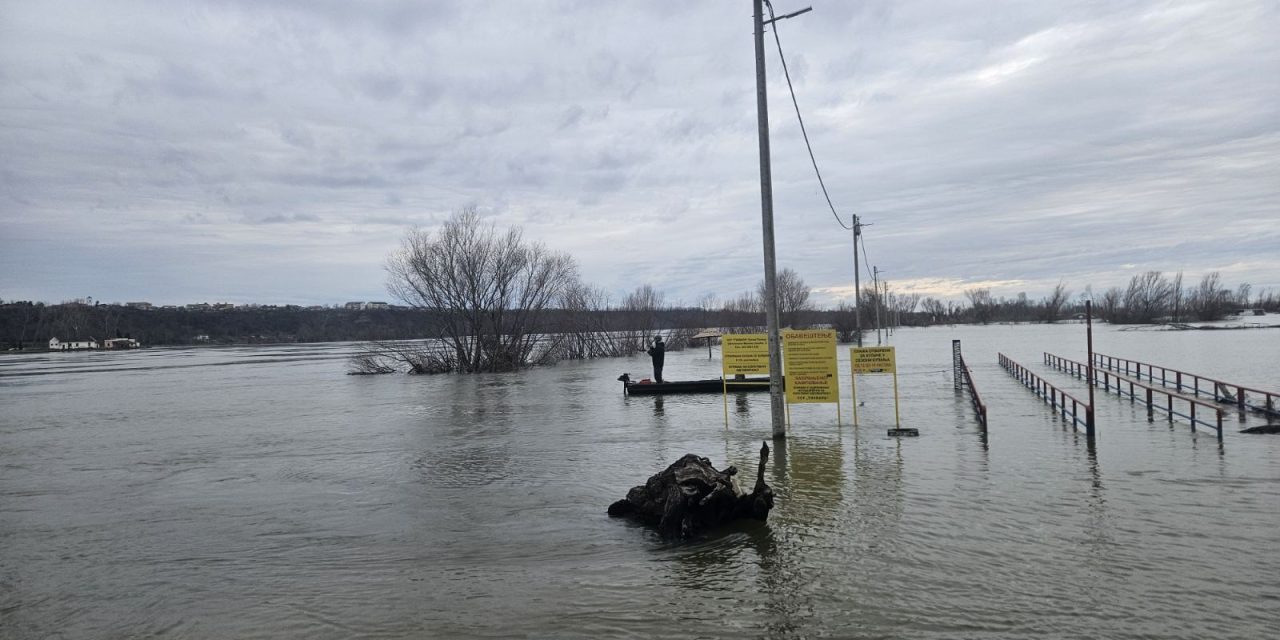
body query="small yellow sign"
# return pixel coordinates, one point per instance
(744, 353)
(873, 360)
(809, 363)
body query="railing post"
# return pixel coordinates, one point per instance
(1193, 416)
(1088, 318)
(1240, 397)
(1170, 396)
(1151, 413)
(1219, 424)
(957, 361)
(1178, 380)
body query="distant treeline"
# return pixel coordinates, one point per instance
(30, 325)
(1149, 297)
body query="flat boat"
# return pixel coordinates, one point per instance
(710, 385)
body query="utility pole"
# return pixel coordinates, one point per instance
(777, 409)
(889, 311)
(857, 290)
(875, 283)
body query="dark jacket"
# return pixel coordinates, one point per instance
(658, 353)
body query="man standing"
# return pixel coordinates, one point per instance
(658, 353)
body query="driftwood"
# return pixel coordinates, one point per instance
(691, 496)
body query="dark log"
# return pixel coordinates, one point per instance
(691, 497)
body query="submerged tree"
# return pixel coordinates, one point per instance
(1148, 297)
(1210, 300)
(489, 289)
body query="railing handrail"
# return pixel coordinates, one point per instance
(1046, 382)
(1099, 356)
(1056, 398)
(974, 396)
(1138, 383)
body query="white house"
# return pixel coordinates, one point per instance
(58, 345)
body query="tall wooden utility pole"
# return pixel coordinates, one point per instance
(777, 408)
(857, 290)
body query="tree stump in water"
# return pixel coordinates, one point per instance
(691, 496)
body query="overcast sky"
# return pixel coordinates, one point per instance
(275, 151)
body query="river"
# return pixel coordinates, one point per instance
(259, 492)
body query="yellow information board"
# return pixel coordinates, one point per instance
(873, 360)
(809, 364)
(744, 353)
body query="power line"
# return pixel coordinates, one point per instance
(800, 118)
(865, 262)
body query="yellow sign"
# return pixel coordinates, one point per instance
(744, 353)
(873, 360)
(809, 363)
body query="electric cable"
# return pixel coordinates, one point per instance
(800, 118)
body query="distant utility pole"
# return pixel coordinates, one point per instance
(857, 291)
(875, 283)
(777, 408)
(889, 311)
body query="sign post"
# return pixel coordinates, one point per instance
(810, 371)
(867, 360)
(741, 354)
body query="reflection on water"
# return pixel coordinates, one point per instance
(260, 492)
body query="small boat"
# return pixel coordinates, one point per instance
(710, 385)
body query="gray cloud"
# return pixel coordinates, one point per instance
(275, 151)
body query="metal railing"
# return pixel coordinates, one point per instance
(1111, 381)
(1219, 390)
(974, 398)
(1056, 398)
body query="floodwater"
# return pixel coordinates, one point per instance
(260, 493)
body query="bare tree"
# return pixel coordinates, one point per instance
(933, 308)
(982, 302)
(388, 356)
(744, 312)
(844, 321)
(1242, 295)
(905, 304)
(1209, 301)
(707, 305)
(641, 309)
(871, 300)
(1176, 296)
(1147, 298)
(793, 298)
(490, 290)
(1051, 307)
(1110, 304)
